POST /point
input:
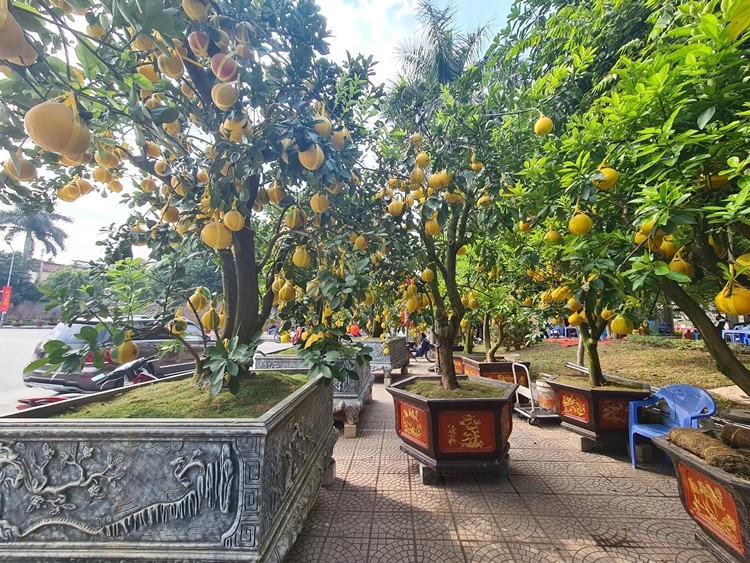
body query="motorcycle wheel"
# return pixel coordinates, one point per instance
(430, 355)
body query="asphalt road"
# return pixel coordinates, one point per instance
(16, 348)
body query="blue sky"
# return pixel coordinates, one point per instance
(370, 27)
(374, 27)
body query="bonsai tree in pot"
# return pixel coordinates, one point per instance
(221, 125)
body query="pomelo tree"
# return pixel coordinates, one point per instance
(222, 125)
(641, 169)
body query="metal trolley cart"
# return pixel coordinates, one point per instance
(533, 412)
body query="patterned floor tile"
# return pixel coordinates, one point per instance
(539, 553)
(443, 551)
(393, 525)
(393, 500)
(487, 552)
(559, 505)
(433, 525)
(389, 551)
(352, 524)
(338, 549)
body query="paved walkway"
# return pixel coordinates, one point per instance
(557, 505)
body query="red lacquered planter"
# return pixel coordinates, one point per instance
(718, 501)
(454, 435)
(600, 415)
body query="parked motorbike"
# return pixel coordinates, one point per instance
(429, 353)
(138, 371)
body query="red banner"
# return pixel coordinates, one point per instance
(5, 302)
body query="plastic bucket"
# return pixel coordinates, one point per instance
(546, 396)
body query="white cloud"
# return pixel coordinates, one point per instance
(369, 27)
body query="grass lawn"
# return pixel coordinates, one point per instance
(184, 399)
(657, 366)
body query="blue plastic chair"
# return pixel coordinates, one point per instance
(686, 403)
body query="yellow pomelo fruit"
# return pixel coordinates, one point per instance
(543, 125)
(301, 257)
(322, 125)
(340, 138)
(679, 265)
(197, 300)
(413, 304)
(396, 208)
(622, 325)
(287, 293)
(422, 160)
(107, 159)
(294, 218)
(276, 192)
(552, 237)
(148, 185)
(170, 214)
(524, 226)
(417, 176)
(12, 40)
(216, 235)
(210, 319)
(319, 203)
(52, 126)
(115, 186)
(127, 352)
(26, 170)
(196, 10)
(360, 242)
(171, 65)
(574, 305)
(733, 299)
(427, 275)
(432, 227)
(102, 175)
(580, 224)
(416, 139)
(312, 158)
(84, 186)
(224, 95)
(234, 220)
(611, 177)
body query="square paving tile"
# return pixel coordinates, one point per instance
(558, 505)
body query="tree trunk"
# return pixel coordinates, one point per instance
(229, 282)
(28, 243)
(468, 340)
(486, 325)
(377, 329)
(580, 357)
(726, 362)
(446, 336)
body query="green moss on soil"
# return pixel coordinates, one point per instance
(466, 390)
(184, 399)
(583, 381)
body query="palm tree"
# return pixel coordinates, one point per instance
(437, 56)
(38, 226)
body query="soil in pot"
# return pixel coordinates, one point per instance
(467, 390)
(582, 381)
(183, 398)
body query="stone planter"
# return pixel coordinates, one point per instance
(454, 435)
(163, 490)
(718, 501)
(398, 357)
(349, 396)
(599, 415)
(501, 371)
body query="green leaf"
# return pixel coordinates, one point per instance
(90, 62)
(142, 82)
(705, 117)
(233, 385)
(36, 364)
(53, 345)
(88, 333)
